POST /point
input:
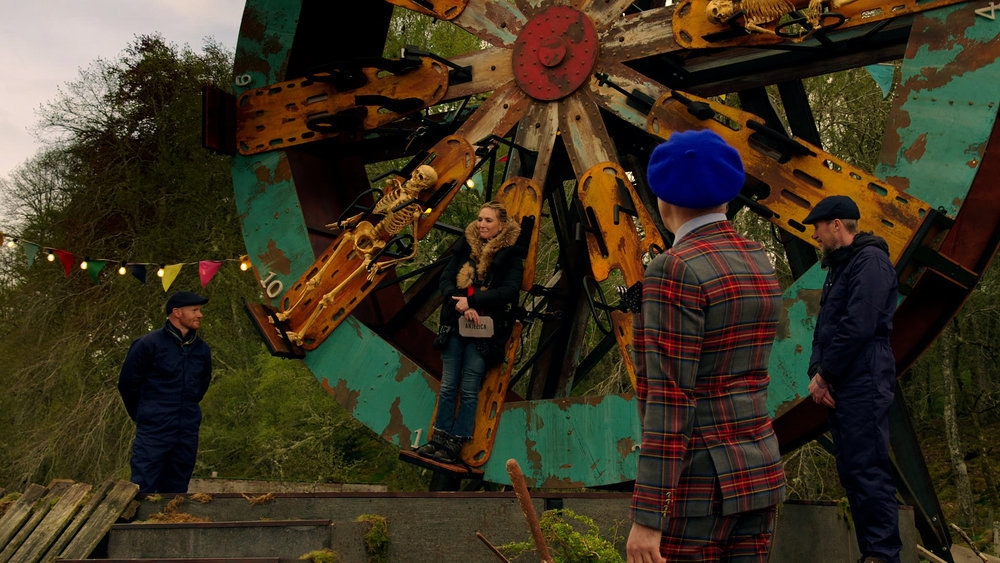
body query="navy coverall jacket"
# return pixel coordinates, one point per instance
(162, 381)
(851, 352)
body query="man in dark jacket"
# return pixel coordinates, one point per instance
(853, 369)
(165, 376)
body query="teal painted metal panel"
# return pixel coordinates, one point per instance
(793, 343)
(376, 383)
(566, 443)
(273, 227)
(946, 106)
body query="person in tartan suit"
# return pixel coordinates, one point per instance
(709, 475)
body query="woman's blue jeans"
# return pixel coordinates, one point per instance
(463, 369)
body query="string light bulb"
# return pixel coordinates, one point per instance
(122, 270)
(50, 256)
(11, 243)
(470, 183)
(83, 265)
(245, 263)
(159, 273)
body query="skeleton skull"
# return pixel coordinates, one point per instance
(719, 11)
(422, 178)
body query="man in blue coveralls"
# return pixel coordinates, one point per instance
(853, 369)
(165, 376)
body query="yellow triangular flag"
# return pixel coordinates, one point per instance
(170, 274)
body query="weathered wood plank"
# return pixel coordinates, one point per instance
(19, 513)
(100, 522)
(55, 490)
(583, 133)
(52, 525)
(96, 498)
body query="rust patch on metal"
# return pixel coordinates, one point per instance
(970, 54)
(560, 483)
(810, 297)
(347, 397)
(396, 427)
(901, 183)
(533, 455)
(917, 149)
(625, 446)
(786, 406)
(275, 259)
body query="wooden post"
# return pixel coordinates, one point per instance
(521, 490)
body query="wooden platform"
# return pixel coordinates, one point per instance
(456, 471)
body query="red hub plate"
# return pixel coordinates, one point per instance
(555, 53)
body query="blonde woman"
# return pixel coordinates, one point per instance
(481, 280)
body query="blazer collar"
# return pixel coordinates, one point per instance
(697, 222)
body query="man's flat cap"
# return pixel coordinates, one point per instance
(184, 299)
(833, 207)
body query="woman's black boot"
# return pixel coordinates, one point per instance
(450, 451)
(430, 448)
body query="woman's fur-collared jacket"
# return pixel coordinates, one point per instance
(493, 269)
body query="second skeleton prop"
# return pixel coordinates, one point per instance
(399, 208)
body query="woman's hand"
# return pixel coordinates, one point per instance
(472, 315)
(461, 304)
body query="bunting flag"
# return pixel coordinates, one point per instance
(170, 274)
(138, 270)
(30, 250)
(94, 267)
(66, 258)
(207, 270)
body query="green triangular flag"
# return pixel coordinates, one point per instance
(30, 250)
(94, 267)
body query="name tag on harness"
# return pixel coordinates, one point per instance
(470, 329)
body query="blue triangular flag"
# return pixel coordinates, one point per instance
(882, 74)
(139, 271)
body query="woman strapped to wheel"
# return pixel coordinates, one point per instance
(480, 285)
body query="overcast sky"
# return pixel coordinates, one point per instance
(46, 42)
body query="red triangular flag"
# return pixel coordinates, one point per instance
(66, 258)
(207, 270)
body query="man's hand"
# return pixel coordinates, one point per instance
(461, 304)
(820, 391)
(644, 545)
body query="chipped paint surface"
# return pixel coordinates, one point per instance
(375, 382)
(944, 110)
(274, 230)
(560, 443)
(793, 342)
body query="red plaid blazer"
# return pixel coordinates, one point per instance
(701, 345)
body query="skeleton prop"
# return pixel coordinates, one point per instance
(399, 207)
(761, 12)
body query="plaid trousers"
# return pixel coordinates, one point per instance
(742, 537)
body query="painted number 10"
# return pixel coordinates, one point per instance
(272, 287)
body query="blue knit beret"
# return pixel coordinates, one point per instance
(695, 169)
